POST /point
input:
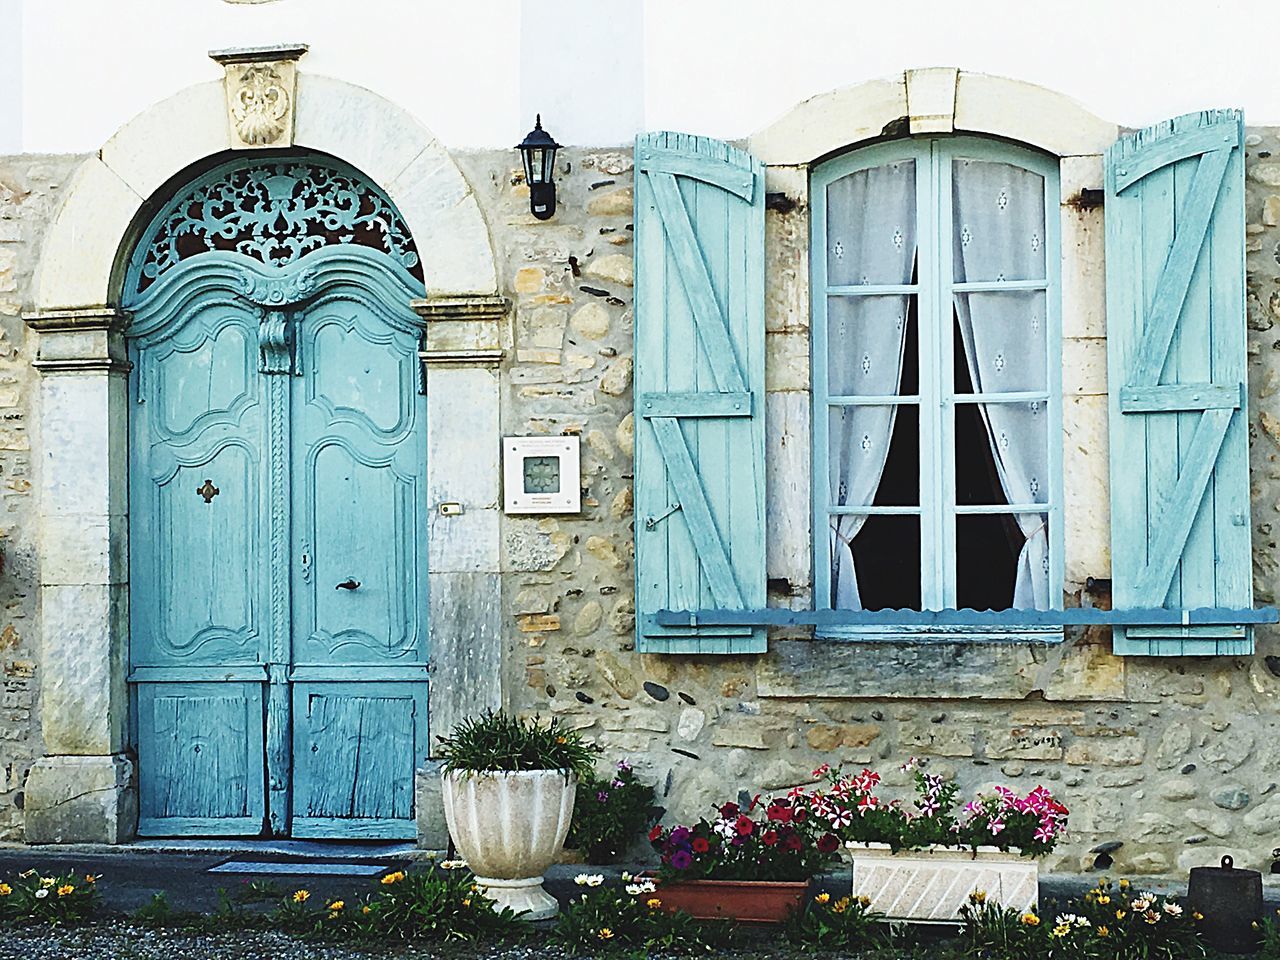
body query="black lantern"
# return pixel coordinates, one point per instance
(538, 151)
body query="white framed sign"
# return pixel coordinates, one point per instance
(541, 474)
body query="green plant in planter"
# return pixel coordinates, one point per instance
(610, 813)
(500, 742)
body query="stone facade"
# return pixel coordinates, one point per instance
(30, 190)
(1178, 759)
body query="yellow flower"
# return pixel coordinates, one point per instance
(654, 904)
(66, 889)
(301, 896)
(1104, 900)
(1200, 916)
(822, 898)
(1119, 914)
(47, 882)
(864, 900)
(366, 909)
(605, 933)
(1103, 931)
(5, 889)
(90, 878)
(841, 905)
(337, 905)
(1030, 920)
(563, 740)
(978, 896)
(466, 902)
(1124, 884)
(1061, 930)
(391, 878)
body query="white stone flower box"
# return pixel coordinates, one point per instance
(932, 885)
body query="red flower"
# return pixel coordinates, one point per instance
(700, 845)
(655, 834)
(828, 843)
(769, 838)
(793, 842)
(800, 814)
(779, 813)
(729, 810)
(745, 826)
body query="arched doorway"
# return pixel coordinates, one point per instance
(278, 510)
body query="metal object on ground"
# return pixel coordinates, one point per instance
(1230, 900)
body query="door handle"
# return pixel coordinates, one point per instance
(348, 585)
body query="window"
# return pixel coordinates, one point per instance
(937, 427)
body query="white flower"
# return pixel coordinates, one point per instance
(452, 864)
(1071, 920)
(595, 880)
(626, 877)
(42, 893)
(725, 828)
(1141, 904)
(581, 879)
(633, 889)
(1172, 909)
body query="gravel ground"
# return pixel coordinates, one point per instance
(129, 941)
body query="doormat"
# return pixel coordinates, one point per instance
(309, 868)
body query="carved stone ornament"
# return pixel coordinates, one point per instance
(261, 86)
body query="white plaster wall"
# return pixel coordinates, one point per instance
(474, 72)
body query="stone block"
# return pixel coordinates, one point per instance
(83, 666)
(1107, 752)
(1025, 743)
(83, 799)
(433, 831)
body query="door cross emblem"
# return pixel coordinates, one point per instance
(208, 491)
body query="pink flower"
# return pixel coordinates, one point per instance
(996, 825)
(1044, 833)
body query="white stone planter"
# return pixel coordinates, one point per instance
(510, 826)
(933, 884)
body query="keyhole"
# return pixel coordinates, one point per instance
(208, 491)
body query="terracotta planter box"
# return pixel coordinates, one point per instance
(933, 884)
(754, 901)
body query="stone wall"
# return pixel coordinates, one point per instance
(29, 188)
(1179, 759)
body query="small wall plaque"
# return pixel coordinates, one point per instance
(541, 474)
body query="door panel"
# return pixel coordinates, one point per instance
(200, 757)
(360, 599)
(355, 749)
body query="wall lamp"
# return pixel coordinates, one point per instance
(538, 151)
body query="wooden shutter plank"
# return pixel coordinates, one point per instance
(1165, 152)
(1179, 396)
(695, 405)
(693, 503)
(1169, 534)
(693, 273)
(1175, 277)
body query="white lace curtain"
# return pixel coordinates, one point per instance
(871, 239)
(1000, 235)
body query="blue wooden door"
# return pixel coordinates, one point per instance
(277, 511)
(359, 585)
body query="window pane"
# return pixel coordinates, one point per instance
(1002, 453)
(872, 348)
(875, 562)
(871, 225)
(1000, 342)
(874, 455)
(1002, 561)
(998, 221)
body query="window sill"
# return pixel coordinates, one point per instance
(940, 633)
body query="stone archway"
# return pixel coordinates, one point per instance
(83, 788)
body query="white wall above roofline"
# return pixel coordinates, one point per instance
(932, 100)
(79, 262)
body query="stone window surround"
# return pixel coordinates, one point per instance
(931, 101)
(83, 789)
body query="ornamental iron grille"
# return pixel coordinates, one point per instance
(274, 211)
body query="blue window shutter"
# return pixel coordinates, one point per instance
(1177, 371)
(699, 390)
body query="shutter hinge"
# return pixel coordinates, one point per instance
(651, 522)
